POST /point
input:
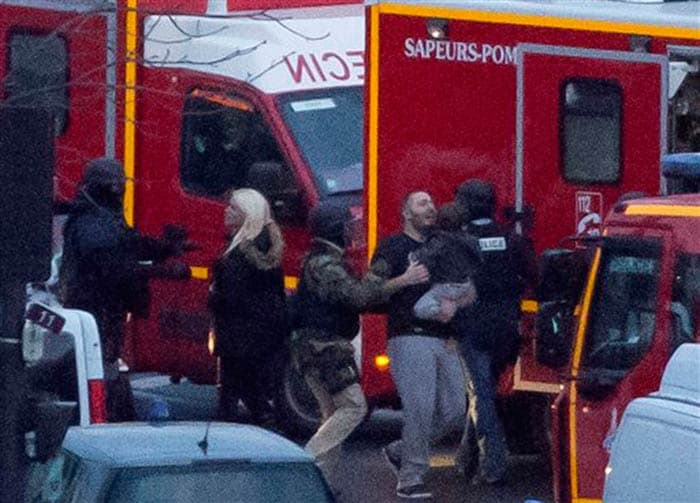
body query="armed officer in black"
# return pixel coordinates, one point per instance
(488, 330)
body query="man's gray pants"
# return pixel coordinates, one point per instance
(483, 421)
(430, 381)
(341, 413)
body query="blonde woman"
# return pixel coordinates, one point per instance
(247, 303)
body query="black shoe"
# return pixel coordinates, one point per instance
(418, 491)
(500, 482)
(494, 482)
(392, 460)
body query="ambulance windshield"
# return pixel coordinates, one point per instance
(623, 313)
(327, 125)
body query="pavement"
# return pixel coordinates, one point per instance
(368, 478)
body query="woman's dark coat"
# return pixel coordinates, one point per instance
(247, 298)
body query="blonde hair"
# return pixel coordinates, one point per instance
(257, 216)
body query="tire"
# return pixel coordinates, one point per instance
(295, 406)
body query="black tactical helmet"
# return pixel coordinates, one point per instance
(103, 180)
(477, 198)
(103, 171)
(327, 221)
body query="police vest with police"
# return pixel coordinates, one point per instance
(491, 324)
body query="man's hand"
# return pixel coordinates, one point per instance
(448, 308)
(415, 274)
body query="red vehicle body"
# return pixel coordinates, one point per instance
(564, 106)
(641, 301)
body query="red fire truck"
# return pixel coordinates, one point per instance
(564, 106)
(197, 98)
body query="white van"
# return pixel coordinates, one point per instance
(63, 355)
(656, 452)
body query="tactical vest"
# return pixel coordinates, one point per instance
(497, 279)
(312, 311)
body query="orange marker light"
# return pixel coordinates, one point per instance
(381, 362)
(211, 342)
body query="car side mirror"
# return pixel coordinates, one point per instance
(598, 384)
(275, 182)
(681, 325)
(562, 274)
(554, 333)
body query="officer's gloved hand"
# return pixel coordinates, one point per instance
(171, 269)
(178, 270)
(175, 236)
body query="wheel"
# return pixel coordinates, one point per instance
(295, 406)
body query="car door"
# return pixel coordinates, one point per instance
(619, 350)
(55, 481)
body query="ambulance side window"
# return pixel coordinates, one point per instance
(223, 135)
(590, 130)
(38, 75)
(685, 300)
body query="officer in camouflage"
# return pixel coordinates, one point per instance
(325, 313)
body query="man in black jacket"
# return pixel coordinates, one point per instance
(488, 330)
(425, 362)
(100, 271)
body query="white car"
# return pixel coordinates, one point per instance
(656, 452)
(63, 356)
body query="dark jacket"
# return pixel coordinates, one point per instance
(247, 299)
(450, 256)
(100, 270)
(330, 299)
(491, 324)
(390, 260)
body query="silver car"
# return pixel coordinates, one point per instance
(177, 462)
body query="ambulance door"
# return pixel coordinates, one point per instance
(590, 126)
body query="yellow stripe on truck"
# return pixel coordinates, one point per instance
(658, 210)
(373, 131)
(515, 18)
(578, 350)
(131, 36)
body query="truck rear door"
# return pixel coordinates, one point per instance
(590, 126)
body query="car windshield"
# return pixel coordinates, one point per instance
(623, 313)
(327, 125)
(220, 482)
